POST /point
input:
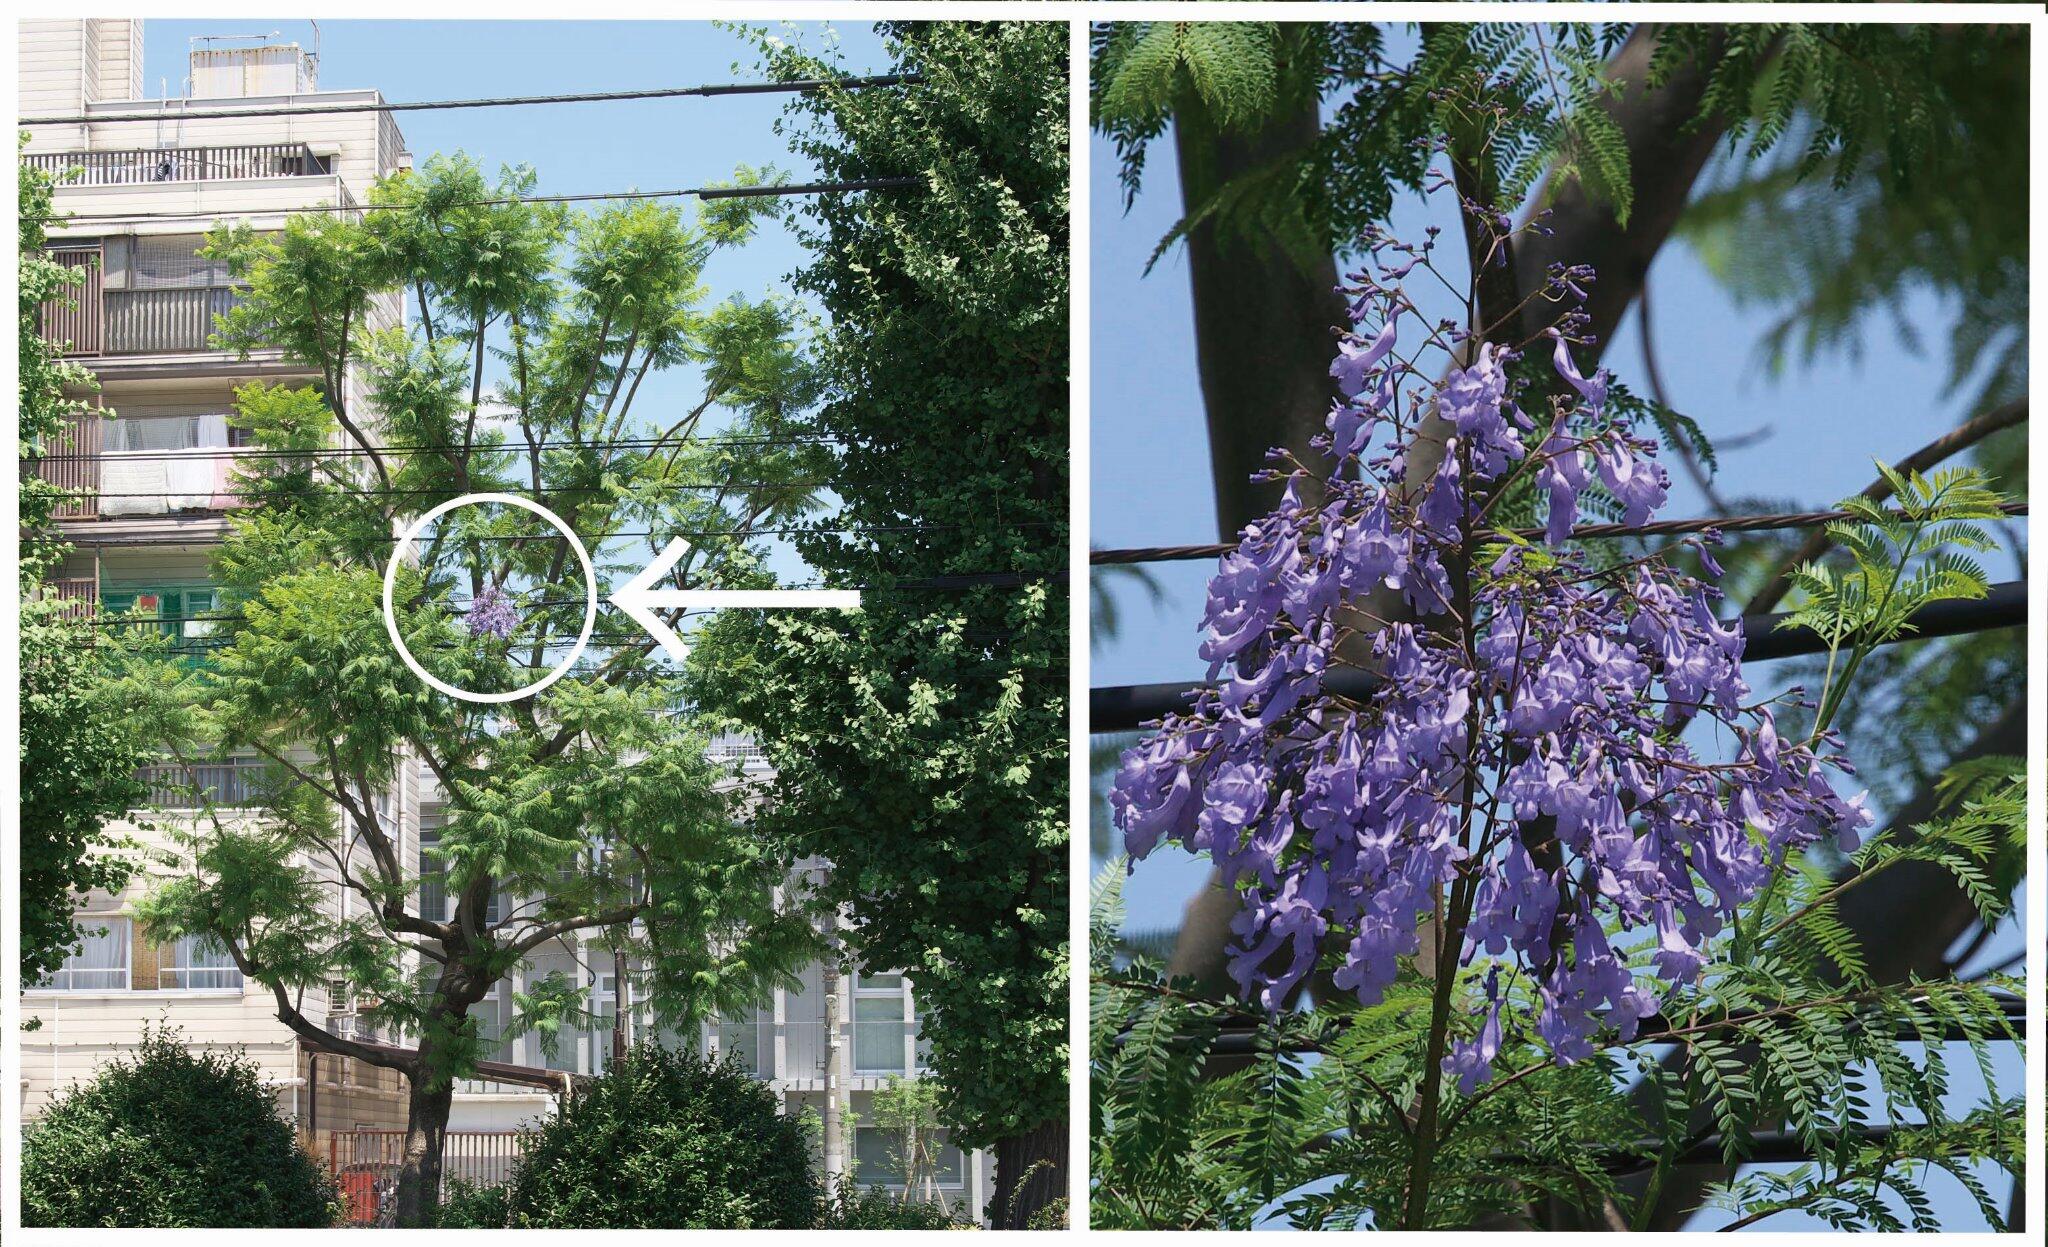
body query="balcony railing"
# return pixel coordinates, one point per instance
(175, 786)
(158, 322)
(183, 164)
(80, 594)
(136, 322)
(70, 460)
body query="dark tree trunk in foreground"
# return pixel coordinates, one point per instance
(1263, 341)
(1031, 1174)
(419, 1174)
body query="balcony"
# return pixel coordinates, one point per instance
(140, 166)
(137, 322)
(176, 786)
(104, 480)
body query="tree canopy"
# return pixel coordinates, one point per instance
(589, 810)
(920, 744)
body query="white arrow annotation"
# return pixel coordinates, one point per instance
(639, 596)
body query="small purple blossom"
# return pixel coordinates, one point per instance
(1543, 767)
(492, 613)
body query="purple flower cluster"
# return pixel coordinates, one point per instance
(1519, 759)
(492, 613)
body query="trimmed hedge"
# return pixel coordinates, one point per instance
(170, 1138)
(668, 1140)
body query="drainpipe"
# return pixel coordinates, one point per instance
(313, 1097)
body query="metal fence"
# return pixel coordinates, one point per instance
(180, 164)
(365, 1164)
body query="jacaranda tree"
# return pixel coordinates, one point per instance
(589, 807)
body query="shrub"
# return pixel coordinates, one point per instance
(668, 1140)
(468, 1207)
(171, 1138)
(851, 1206)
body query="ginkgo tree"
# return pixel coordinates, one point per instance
(586, 811)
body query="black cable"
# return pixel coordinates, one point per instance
(344, 452)
(800, 85)
(848, 530)
(1581, 532)
(1124, 708)
(698, 192)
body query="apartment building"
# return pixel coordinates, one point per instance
(153, 465)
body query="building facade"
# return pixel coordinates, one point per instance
(153, 465)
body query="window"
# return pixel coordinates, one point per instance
(878, 1025)
(198, 962)
(173, 262)
(101, 962)
(180, 611)
(878, 1157)
(433, 886)
(739, 1037)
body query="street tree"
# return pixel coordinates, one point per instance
(586, 811)
(920, 744)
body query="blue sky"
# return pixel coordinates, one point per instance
(574, 148)
(1151, 473)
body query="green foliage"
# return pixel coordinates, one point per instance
(667, 1140)
(920, 743)
(78, 772)
(170, 1138)
(1846, 89)
(1784, 1028)
(1907, 556)
(593, 802)
(465, 1206)
(43, 403)
(78, 756)
(851, 1206)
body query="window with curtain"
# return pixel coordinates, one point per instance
(197, 963)
(101, 962)
(878, 1026)
(173, 262)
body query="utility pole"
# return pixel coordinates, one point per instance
(835, 1133)
(621, 1010)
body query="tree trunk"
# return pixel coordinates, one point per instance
(1031, 1174)
(1263, 341)
(426, 1126)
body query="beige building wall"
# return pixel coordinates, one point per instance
(79, 66)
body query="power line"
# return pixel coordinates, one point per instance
(1655, 528)
(698, 192)
(797, 85)
(850, 530)
(340, 452)
(1123, 708)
